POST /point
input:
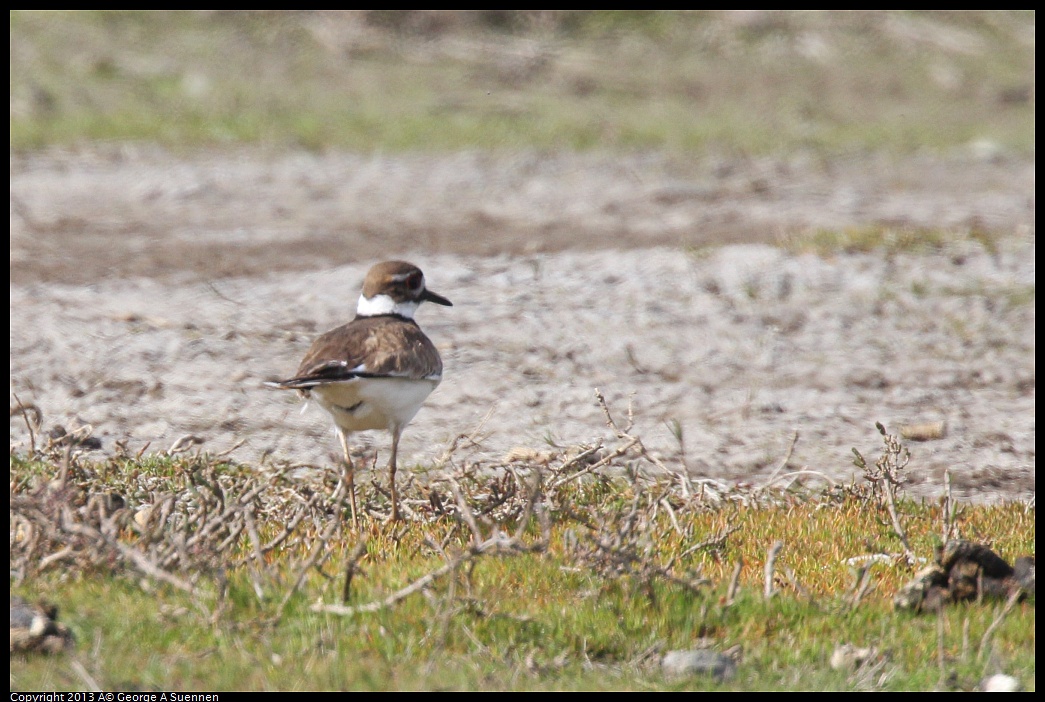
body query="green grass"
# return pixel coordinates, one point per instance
(599, 640)
(546, 610)
(370, 81)
(890, 240)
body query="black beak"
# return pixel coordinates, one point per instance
(437, 299)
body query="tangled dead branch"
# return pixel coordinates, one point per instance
(200, 521)
(886, 477)
(188, 521)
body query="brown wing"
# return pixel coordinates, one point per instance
(368, 347)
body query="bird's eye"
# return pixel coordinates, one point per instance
(415, 280)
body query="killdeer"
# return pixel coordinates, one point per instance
(377, 370)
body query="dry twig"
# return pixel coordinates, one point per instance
(774, 551)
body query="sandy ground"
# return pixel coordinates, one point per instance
(151, 293)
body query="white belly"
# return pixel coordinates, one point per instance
(373, 403)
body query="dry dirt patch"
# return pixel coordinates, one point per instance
(151, 293)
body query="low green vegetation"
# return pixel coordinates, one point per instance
(888, 240)
(732, 82)
(552, 571)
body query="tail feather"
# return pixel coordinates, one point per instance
(293, 383)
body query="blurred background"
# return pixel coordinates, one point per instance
(541, 130)
(744, 82)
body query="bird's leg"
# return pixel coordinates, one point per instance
(392, 474)
(348, 477)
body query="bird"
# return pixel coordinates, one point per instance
(376, 371)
